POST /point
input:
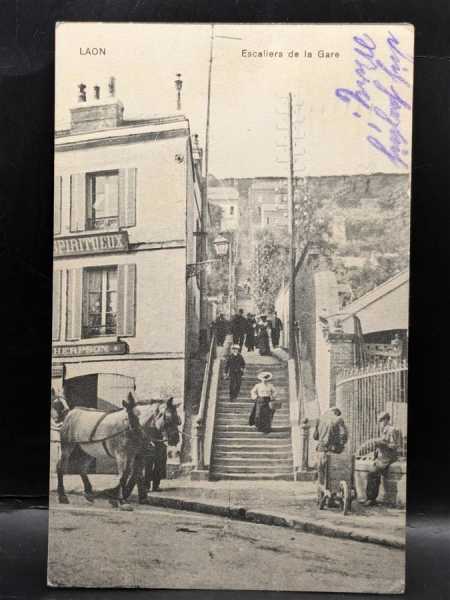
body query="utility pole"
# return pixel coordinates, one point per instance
(204, 232)
(291, 235)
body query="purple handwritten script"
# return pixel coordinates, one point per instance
(378, 95)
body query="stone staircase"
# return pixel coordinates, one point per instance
(239, 451)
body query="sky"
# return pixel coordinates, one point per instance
(248, 122)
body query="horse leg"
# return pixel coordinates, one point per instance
(85, 463)
(61, 468)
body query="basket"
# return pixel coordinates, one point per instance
(275, 404)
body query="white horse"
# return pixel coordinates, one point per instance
(119, 435)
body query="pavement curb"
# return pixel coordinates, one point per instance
(276, 519)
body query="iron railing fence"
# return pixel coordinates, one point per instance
(362, 393)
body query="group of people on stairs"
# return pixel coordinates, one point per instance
(254, 332)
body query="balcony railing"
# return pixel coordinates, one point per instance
(102, 223)
(90, 331)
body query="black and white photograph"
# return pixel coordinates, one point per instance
(228, 402)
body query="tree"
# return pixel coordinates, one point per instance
(270, 267)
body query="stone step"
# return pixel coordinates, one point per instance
(252, 463)
(253, 446)
(224, 392)
(231, 424)
(232, 427)
(230, 409)
(237, 406)
(275, 469)
(216, 475)
(251, 435)
(232, 453)
(228, 424)
(227, 409)
(242, 403)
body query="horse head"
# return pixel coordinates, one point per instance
(59, 407)
(159, 419)
(133, 418)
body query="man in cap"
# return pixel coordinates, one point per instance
(275, 329)
(220, 327)
(331, 436)
(239, 328)
(234, 369)
(386, 452)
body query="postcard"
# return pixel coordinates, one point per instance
(230, 306)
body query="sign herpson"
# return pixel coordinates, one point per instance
(90, 349)
(92, 244)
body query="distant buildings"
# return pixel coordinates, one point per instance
(227, 199)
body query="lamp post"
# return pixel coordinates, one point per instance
(221, 246)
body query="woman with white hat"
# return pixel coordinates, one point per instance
(263, 393)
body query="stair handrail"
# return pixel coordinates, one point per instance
(299, 374)
(295, 408)
(200, 421)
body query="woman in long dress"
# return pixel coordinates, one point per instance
(263, 337)
(263, 393)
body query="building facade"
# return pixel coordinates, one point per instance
(226, 198)
(127, 205)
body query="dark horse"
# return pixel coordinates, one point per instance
(118, 434)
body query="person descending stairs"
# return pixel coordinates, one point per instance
(239, 450)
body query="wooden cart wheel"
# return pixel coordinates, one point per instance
(346, 497)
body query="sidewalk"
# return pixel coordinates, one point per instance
(280, 503)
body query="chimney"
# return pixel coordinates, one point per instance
(197, 154)
(95, 114)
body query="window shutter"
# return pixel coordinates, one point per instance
(126, 306)
(57, 204)
(127, 197)
(74, 303)
(56, 306)
(78, 202)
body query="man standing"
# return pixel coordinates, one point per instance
(250, 333)
(234, 369)
(331, 436)
(276, 329)
(220, 327)
(386, 452)
(239, 328)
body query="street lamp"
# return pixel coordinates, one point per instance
(221, 245)
(178, 87)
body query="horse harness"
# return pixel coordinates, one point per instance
(104, 440)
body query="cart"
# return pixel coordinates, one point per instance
(338, 491)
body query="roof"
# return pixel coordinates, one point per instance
(222, 193)
(156, 122)
(376, 294)
(271, 185)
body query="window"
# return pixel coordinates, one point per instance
(100, 302)
(102, 200)
(231, 210)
